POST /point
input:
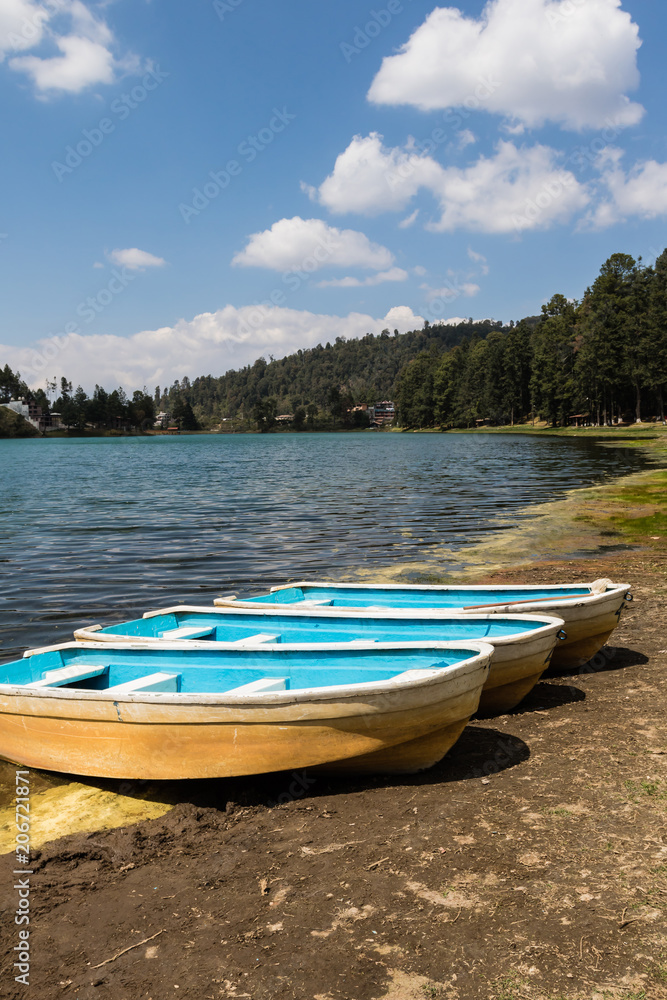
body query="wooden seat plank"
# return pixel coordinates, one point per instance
(188, 632)
(261, 686)
(159, 682)
(252, 640)
(69, 675)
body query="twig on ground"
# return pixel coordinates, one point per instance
(131, 947)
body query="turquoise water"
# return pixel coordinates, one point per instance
(102, 529)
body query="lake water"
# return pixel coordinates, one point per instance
(102, 529)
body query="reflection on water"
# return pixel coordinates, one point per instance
(101, 529)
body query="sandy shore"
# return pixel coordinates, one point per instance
(531, 863)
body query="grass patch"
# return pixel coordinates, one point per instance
(655, 790)
(507, 988)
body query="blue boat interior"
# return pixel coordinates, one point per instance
(234, 671)
(276, 628)
(379, 598)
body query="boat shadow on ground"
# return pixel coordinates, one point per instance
(479, 751)
(609, 658)
(546, 696)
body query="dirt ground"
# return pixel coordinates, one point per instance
(531, 863)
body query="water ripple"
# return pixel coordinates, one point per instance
(104, 528)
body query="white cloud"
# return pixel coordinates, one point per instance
(451, 291)
(531, 60)
(209, 343)
(640, 193)
(516, 189)
(82, 64)
(370, 178)
(466, 138)
(452, 321)
(86, 45)
(310, 244)
(134, 259)
(394, 274)
(409, 220)
(480, 259)
(21, 25)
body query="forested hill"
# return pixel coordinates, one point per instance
(329, 378)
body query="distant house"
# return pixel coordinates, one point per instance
(382, 413)
(285, 418)
(29, 410)
(162, 420)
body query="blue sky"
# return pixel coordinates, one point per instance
(189, 188)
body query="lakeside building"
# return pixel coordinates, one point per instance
(162, 421)
(382, 413)
(30, 411)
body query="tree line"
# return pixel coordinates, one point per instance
(600, 360)
(318, 386)
(102, 410)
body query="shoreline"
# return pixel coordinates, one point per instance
(628, 511)
(629, 432)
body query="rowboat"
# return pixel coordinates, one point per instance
(524, 643)
(175, 711)
(590, 611)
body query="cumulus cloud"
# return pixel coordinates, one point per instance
(639, 193)
(516, 189)
(86, 45)
(21, 25)
(369, 178)
(310, 244)
(134, 259)
(530, 60)
(209, 343)
(394, 274)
